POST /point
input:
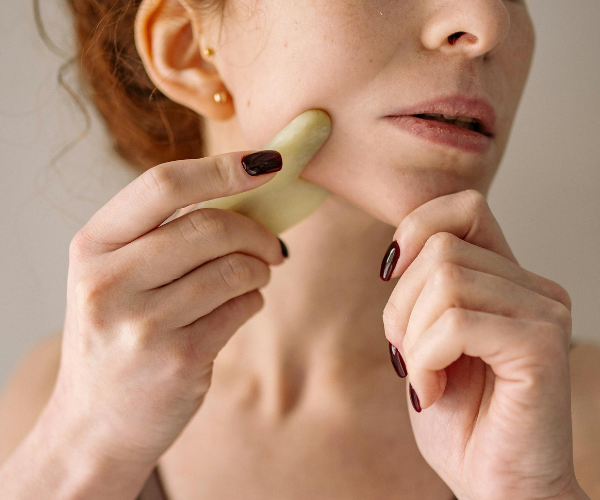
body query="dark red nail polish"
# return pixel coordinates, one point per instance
(389, 261)
(263, 162)
(397, 361)
(414, 399)
(284, 249)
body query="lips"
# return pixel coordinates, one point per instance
(465, 122)
(458, 108)
(460, 122)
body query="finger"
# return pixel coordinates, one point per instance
(454, 286)
(446, 248)
(210, 333)
(465, 214)
(205, 289)
(520, 352)
(153, 196)
(180, 212)
(175, 249)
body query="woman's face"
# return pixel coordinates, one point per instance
(364, 61)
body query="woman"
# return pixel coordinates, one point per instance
(302, 401)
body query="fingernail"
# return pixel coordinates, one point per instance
(263, 162)
(389, 261)
(397, 361)
(284, 249)
(414, 399)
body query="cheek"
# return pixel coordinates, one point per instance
(512, 70)
(271, 99)
(519, 51)
(300, 58)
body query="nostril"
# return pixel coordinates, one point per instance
(454, 37)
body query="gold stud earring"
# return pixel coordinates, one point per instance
(220, 97)
(208, 51)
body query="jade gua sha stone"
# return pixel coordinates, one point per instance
(286, 199)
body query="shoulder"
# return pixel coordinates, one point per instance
(585, 404)
(26, 393)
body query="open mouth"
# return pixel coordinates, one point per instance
(464, 122)
(456, 121)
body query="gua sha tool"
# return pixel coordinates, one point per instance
(286, 199)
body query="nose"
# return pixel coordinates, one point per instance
(471, 27)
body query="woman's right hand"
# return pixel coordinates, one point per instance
(149, 307)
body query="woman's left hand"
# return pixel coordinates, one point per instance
(486, 347)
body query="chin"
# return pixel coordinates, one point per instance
(390, 190)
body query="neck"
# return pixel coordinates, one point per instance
(321, 328)
(320, 332)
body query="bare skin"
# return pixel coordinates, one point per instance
(303, 401)
(191, 472)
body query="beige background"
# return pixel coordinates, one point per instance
(546, 194)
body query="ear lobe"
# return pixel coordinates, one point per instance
(167, 40)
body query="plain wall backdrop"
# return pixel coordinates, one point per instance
(545, 195)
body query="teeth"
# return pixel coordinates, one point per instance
(465, 119)
(460, 121)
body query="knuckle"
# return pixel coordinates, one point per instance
(183, 360)
(555, 336)
(234, 271)
(92, 294)
(441, 245)
(248, 304)
(390, 314)
(148, 324)
(391, 324)
(445, 278)
(265, 273)
(141, 325)
(549, 345)
(201, 225)
(474, 201)
(547, 329)
(95, 286)
(562, 315)
(161, 182)
(454, 320)
(407, 345)
(79, 245)
(409, 227)
(476, 209)
(257, 301)
(77, 249)
(560, 294)
(446, 274)
(224, 174)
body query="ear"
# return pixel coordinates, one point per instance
(167, 38)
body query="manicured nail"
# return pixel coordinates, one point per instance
(284, 249)
(414, 399)
(397, 361)
(389, 261)
(263, 162)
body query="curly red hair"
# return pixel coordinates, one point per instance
(146, 127)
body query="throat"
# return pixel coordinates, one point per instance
(321, 325)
